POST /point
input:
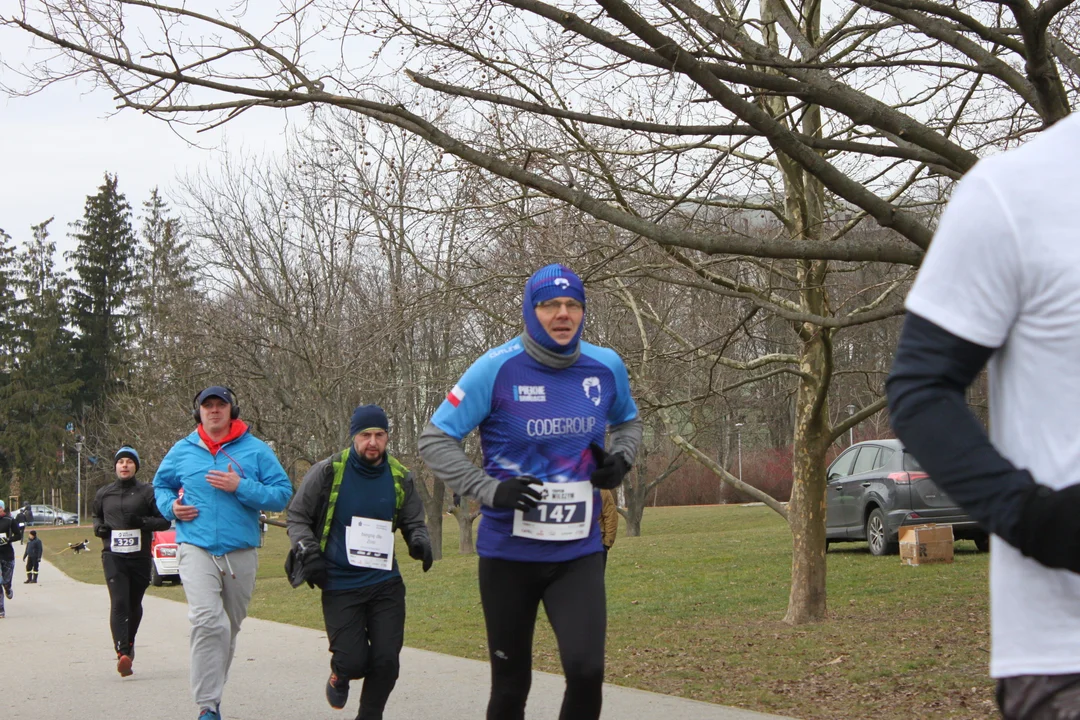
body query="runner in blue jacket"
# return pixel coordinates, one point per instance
(213, 483)
(543, 403)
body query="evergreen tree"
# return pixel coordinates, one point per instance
(36, 403)
(7, 304)
(166, 277)
(104, 277)
(8, 339)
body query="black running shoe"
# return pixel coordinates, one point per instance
(337, 691)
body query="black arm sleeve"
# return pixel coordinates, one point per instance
(932, 370)
(98, 513)
(152, 517)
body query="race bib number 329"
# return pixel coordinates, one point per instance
(125, 541)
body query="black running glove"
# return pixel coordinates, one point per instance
(315, 567)
(610, 470)
(420, 549)
(1048, 530)
(517, 494)
(103, 531)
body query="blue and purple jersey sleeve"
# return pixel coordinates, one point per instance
(623, 408)
(469, 402)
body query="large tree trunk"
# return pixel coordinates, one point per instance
(465, 516)
(806, 515)
(433, 494)
(806, 512)
(636, 490)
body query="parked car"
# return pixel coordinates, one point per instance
(875, 487)
(165, 564)
(51, 515)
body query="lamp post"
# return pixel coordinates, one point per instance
(78, 482)
(851, 430)
(738, 437)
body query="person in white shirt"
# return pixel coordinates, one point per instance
(1001, 285)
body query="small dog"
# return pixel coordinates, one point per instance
(79, 547)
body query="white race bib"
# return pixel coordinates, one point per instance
(370, 543)
(125, 541)
(564, 513)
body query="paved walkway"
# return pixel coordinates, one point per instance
(59, 667)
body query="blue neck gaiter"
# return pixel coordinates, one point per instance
(551, 281)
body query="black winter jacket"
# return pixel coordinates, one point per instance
(116, 504)
(7, 537)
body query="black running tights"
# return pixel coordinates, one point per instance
(127, 579)
(575, 603)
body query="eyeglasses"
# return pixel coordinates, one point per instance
(572, 306)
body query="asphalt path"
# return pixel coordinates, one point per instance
(58, 665)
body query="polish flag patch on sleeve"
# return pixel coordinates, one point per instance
(455, 396)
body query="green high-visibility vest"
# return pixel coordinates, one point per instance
(397, 471)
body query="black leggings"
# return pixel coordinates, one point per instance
(575, 603)
(127, 578)
(366, 629)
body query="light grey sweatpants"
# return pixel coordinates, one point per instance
(217, 604)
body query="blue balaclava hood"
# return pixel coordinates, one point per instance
(551, 281)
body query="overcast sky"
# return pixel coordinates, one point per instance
(58, 145)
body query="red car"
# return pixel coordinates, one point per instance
(165, 565)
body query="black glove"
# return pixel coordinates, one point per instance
(610, 470)
(103, 531)
(314, 564)
(420, 549)
(517, 493)
(133, 521)
(1047, 531)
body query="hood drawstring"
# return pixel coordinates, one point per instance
(227, 564)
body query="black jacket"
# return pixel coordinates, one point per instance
(33, 550)
(117, 504)
(7, 537)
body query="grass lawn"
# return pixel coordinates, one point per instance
(695, 609)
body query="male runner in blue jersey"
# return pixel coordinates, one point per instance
(543, 403)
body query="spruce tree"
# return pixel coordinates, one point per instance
(36, 403)
(103, 263)
(8, 340)
(7, 304)
(165, 275)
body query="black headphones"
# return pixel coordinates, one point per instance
(234, 406)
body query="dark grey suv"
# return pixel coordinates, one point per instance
(875, 487)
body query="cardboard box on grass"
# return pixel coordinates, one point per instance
(925, 544)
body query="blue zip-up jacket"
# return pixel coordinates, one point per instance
(226, 521)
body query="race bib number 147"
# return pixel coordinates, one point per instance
(564, 513)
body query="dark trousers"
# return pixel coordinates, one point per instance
(575, 602)
(127, 579)
(32, 565)
(1039, 697)
(7, 570)
(366, 629)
